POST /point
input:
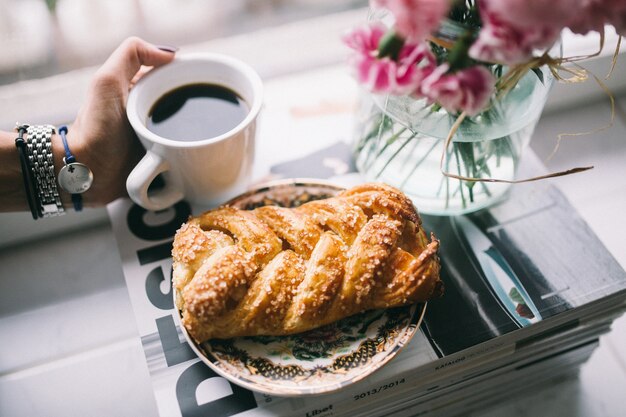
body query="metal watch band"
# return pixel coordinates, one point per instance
(39, 147)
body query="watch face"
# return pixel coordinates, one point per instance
(75, 178)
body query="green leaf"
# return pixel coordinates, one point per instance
(538, 73)
(459, 54)
(497, 70)
(390, 45)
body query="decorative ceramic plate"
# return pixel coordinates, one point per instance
(320, 360)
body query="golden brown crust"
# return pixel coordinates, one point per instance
(375, 198)
(336, 215)
(293, 228)
(322, 280)
(276, 271)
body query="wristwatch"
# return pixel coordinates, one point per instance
(39, 149)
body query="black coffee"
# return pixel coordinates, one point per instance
(196, 111)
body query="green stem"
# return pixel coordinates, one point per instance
(446, 178)
(466, 150)
(485, 188)
(371, 134)
(409, 154)
(379, 131)
(395, 154)
(438, 193)
(388, 143)
(417, 165)
(458, 170)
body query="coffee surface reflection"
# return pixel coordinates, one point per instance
(195, 112)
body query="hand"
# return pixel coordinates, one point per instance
(101, 136)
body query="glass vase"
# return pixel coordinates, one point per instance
(402, 141)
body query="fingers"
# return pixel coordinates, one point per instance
(142, 71)
(128, 58)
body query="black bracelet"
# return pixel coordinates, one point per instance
(27, 174)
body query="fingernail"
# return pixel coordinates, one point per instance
(167, 48)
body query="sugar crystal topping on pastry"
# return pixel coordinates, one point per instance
(276, 271)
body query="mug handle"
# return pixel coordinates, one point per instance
(142, 176)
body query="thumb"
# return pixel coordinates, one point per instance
(134, 52)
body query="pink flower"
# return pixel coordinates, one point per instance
(507, 45)
(415, 19)
(513, 29)
(386, 75)
(466, 90)
(619, 22)
(524, 14)
(581, 16)
(594, 14)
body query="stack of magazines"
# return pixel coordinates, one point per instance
(529, 289)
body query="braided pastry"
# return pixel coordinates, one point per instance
(277, 271)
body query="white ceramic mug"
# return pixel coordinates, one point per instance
(207, 171)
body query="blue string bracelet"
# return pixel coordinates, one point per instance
(74, 177)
